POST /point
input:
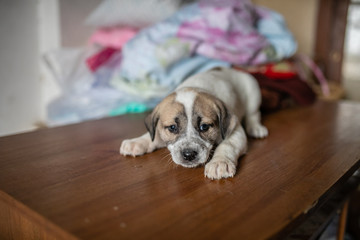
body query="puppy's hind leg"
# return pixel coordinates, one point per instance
(250, 91)
(254, 128)
(253, 125)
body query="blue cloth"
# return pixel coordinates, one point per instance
(160, 57)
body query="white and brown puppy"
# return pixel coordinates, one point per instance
(202, 120)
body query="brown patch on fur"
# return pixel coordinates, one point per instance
(207, 111)
(172, 113)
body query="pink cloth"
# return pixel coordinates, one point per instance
(226, 30)
(112, 40)
(112, 37)
(98, 59)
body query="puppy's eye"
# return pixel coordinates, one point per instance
(172, 128)
(204, 127)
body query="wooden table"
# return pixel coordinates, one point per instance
(71, 183)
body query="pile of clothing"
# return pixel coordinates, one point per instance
(130, 67)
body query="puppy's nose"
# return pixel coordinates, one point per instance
(189, 154)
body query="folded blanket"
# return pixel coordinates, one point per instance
(213, 32)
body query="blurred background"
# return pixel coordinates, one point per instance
(52, 71)
(29, 29)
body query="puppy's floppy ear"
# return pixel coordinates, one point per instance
(224, 118)
(150, 122)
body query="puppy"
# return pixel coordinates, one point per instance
(200, 122)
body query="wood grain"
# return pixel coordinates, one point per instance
(19, 222)
(74, 177)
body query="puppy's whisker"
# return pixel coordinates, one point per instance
(169, 161)
(164, 153)
(167, 155)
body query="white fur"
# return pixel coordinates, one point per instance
(187, 99)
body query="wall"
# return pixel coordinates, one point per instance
(19, 71)
(72, 16)
(300, 16)
(351, 63)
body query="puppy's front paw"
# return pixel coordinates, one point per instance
(217, 169)
(134, 147)
(257, 131)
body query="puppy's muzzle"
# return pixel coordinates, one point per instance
(189, 154)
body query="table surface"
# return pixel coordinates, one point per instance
(73, 181)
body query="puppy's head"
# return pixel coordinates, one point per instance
(191, 123)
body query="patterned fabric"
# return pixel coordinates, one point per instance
(209, 33)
